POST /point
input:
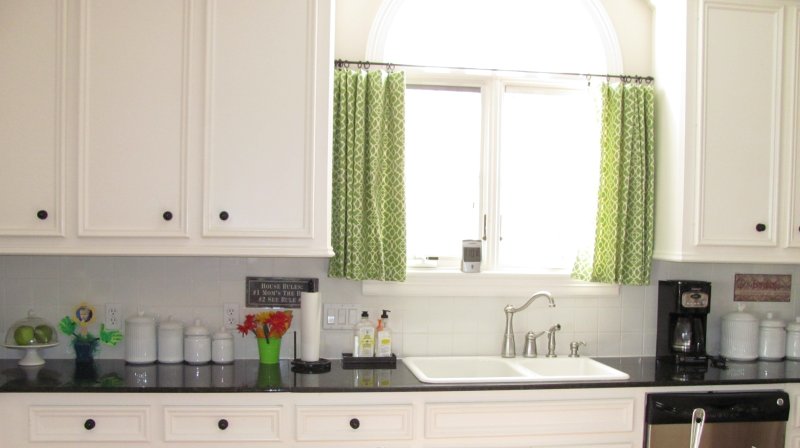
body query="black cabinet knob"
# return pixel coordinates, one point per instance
(760, 227)
(41, 214)
(222, 424)
(354, 423)
(167, 215)
(224, 215)
(89, 424)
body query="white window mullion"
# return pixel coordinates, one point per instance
(490, 165)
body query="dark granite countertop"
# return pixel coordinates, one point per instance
(62, 375)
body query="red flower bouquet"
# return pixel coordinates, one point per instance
(268, 324)
(269, 327)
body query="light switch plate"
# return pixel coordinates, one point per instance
(337, 316)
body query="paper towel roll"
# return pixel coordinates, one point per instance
(311, 310)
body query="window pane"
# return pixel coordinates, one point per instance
(443, 138)
(564, 35)
(549, 172)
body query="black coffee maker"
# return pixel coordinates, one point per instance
(683, 307)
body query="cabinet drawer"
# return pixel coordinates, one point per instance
(89, 423)
(529, 418)
(327, 423)
(218, 423)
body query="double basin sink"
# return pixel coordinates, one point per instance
(495, 369)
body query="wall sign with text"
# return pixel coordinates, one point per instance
(283, 292)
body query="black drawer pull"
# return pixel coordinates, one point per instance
(41, 214)
(167, 215)
(760, 227)
(89, 424)
(354, 423)
(224, 215)
(222, 424)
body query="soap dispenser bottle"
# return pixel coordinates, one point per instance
(364, 337)
(383, 336)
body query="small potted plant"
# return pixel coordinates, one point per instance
(269, 327)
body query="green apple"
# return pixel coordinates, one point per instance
(43, 334)
(24, 335)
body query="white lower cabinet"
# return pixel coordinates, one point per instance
(222, 423)
(85, 424)
(353, 423)
(608, 418)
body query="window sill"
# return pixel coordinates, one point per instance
(449, 283)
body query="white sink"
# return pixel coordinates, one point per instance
(495, 369)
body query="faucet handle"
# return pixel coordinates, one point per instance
(530, 344)
(573, 348)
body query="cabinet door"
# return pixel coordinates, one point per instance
(222, 423)
(739, 127)
(260, 118)
(89, 423)
(133, 117)
(32, 132)
(793, 173)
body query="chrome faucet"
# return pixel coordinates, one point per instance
(509, 345)
(551, 340)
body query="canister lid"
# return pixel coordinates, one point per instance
(794, 326)
(740, 316)
(141, 318)
(222, 333)
(771, 322)
(197, 329)
(170, 324)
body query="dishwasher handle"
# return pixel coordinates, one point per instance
(698, 420)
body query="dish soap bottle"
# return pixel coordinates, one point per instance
(365, 337)
(383, 336)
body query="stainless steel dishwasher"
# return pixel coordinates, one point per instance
(752, 419)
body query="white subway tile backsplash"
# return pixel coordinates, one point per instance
(609, 319)
(198, 286)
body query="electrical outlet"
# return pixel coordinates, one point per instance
(113, 316)
(230, 315)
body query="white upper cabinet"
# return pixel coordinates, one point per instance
(259, 134)
(726, 104)
(33, 44)
(133, 118)
(139, 125)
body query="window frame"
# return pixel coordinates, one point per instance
(450, 281)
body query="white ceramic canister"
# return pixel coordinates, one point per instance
(222, 347)
(739, 340)
(140, 339)
(196, 344)
(793, 340)
(772, 339)
(170, 341)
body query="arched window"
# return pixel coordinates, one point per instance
(541, 35)
(500, 155)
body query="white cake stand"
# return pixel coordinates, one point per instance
(31, 357)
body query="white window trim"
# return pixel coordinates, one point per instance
(453, 283)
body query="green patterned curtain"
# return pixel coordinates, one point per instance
(368, 228)
(623, 247)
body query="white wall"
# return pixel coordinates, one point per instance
(198, 287)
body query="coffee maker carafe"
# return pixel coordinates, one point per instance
(683, 307)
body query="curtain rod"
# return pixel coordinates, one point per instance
(342, 63)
